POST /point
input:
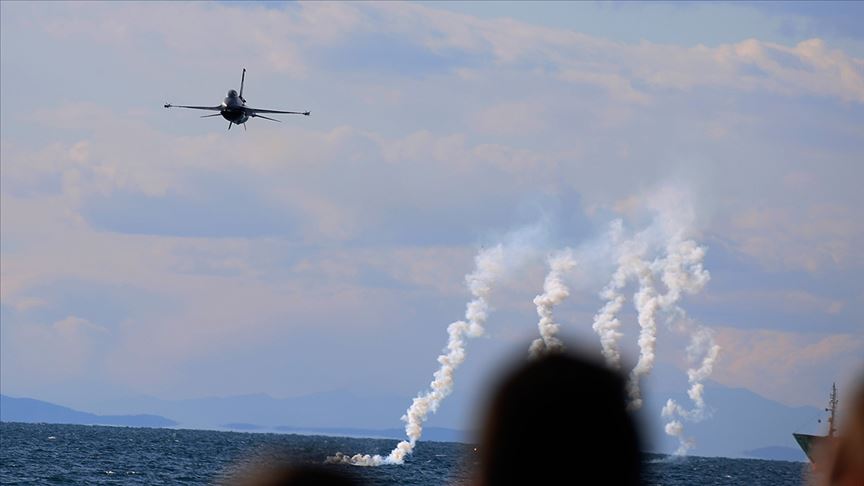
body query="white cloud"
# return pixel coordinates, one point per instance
(275, 38)
(810, 67)
(398, 196)
(799, 302)
(806, 238)
(517, 118)
(793, 368)
(48, 354)
(281, 38)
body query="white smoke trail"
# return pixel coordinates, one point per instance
(661, 259)
(489, 265)
(683, 272)
(631, 264)
(676, 429)
(647, 304)
(701, 343)
(554, 292)
(606, 323)
(680, 270)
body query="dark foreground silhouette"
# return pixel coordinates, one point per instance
(844, 457)
(558, 420)
(293, 475)
(554, 420)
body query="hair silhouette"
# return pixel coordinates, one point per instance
(293, 475)
(845, 454)
(558, 420)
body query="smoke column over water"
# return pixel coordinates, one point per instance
(676, 429)
(683, 272)
(647, 304)
(677, 267)
(701, 343)
(606, 323)
(631, 264)
(662, 261)
(554, 292)
(489, 265)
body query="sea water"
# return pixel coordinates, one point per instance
(80, 454)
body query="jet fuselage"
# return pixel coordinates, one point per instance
(232, 108)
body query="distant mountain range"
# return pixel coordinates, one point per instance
(435, 434)
(30, 410)
(742, 423)
(314, 411)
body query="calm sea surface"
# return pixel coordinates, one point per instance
(78, 454)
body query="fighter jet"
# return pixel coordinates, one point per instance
(234, 109)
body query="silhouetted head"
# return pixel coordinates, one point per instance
(292, 475)
(846, 458)
(232, 93)
(558, 420)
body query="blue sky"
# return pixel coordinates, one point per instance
(147, 251)
(689, 24)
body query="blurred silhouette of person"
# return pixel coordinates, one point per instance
(292, 475)
(845, 457)
(560, 419)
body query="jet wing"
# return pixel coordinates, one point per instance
(264, 117)
(211, 108)
(252, 111)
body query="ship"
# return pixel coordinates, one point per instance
(811, 444)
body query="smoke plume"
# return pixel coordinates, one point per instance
(489, 265)
(647, 304)
(606, 323)
(554, 292)
(662, 261)
(701, 344)
(631, 264)
(676, 429)
(681, 271)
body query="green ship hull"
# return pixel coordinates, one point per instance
(809, 444)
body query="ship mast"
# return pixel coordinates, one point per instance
(832, 431)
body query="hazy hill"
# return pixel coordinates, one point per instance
(742, 423)
(36, 411)
(319, 410)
